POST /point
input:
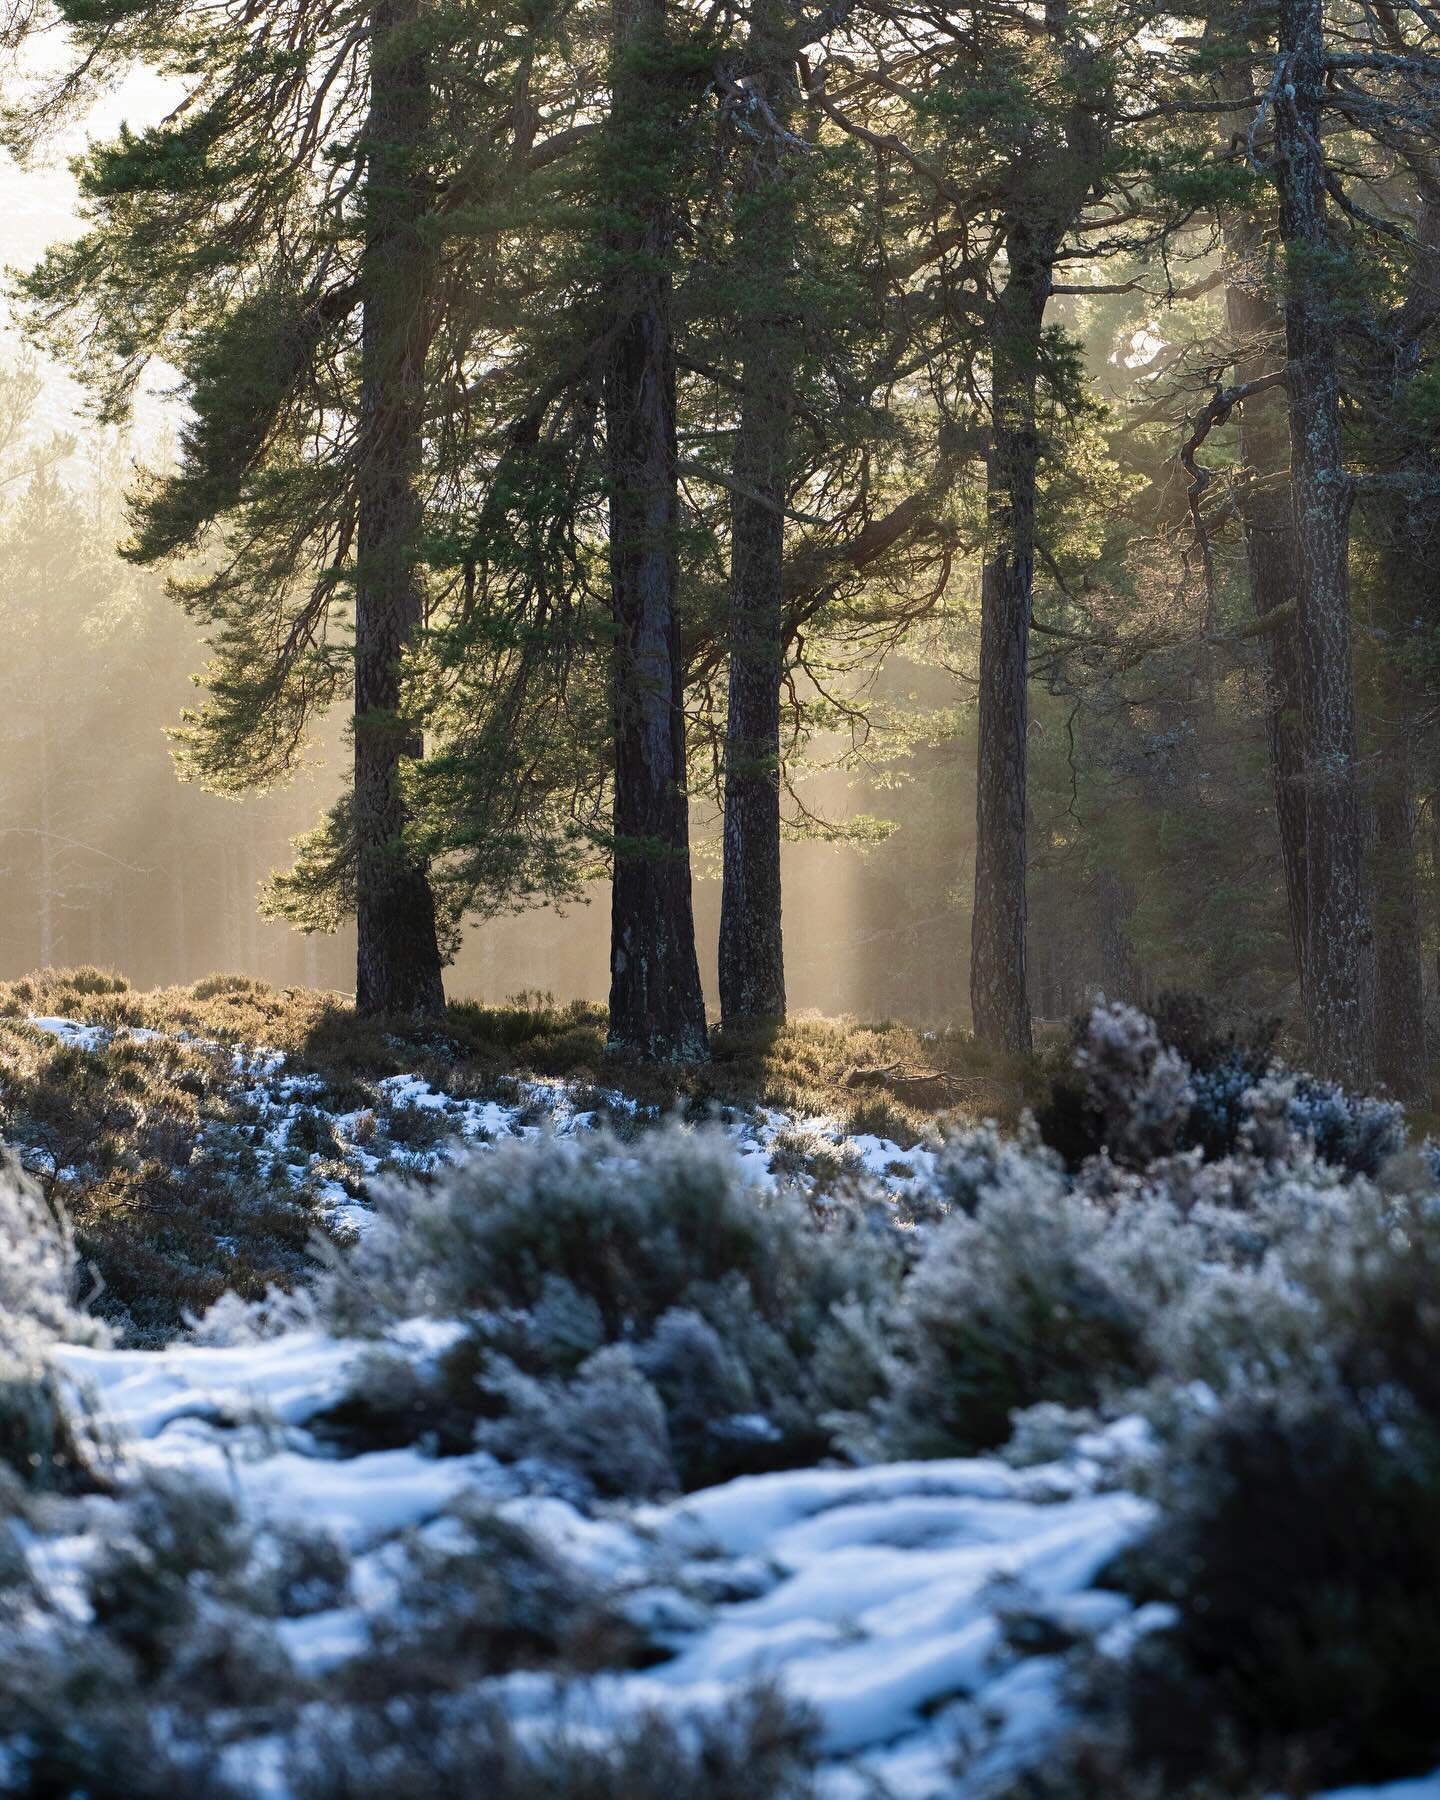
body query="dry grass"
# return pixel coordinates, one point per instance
(152, 1147)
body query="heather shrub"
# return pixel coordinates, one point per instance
(1142, 1088)
(38, 1270)
(1300, 1546)
(481, 1596)
(1011, 1305)
(1126, 1094)
(756, 1747)
(606, 1423)
(114, 1689)
(46, 1438)
(636, 1313)
(183, 1545)
(1300, 1486)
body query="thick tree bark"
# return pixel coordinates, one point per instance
(1405, 596)
(999, 999)
(1048, 190)
(752, 953)
(398, 962)
(657, 1008)
(1271, 557)
(1339, 970)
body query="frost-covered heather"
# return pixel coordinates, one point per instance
(241, 1156)
(617, 1463)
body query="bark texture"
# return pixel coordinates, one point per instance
(657, 1008)
(752, 951)
(398, 962)
(1339, 971)
(1258, 331)
(1412, 540)
(1049, 184)
(999, 996)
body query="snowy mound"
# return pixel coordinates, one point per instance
(884, 1598)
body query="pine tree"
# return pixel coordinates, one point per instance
(657, 1008)
(398, 949)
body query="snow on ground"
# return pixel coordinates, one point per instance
(884, 1597)
(282, 1111)
(879, 1596)
(876, 1595)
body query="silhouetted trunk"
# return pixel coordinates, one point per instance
(1049, 187)
(1399, 952)
(1339, 968)
(1405, 595)
(1258, 331)
(999, 1001)
(1115, 899)
(752, 953)
(398, 963)
(656, 1005)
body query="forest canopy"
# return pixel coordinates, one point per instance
(665, 432)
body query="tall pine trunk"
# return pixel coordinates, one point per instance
(999, 997)
(657, 1008)
(1271, 564)
(1339, 971)
(1406, 587)
(1049, 187)
(1271, 558)
(398, 962)
(752, 952)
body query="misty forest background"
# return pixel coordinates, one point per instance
(977, 336)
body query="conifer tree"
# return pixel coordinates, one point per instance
(751, 949)
(657, 1008)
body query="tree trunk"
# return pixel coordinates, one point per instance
(999, 1000)
(1406, 585)
(1339, 969)
(752, 953)
(1399, 953)
(657, 1008)
(398, 963)
(1049, 188)
(1268, 521)
(1115, 901)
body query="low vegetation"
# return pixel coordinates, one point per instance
(162, 1146)
(1245, 1269)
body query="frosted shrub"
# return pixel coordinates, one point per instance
(1356, 1133)
(114, 1689)
(756, 1747)
(972, 1164)
(38, 1271)
(1008, 1307)
(1300, 1546)
(482, 1596)
(1301, 1494)
(606, 1423)
(599, 1276)
(1139, 1087)
(44, 1434)
(634, 1228)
